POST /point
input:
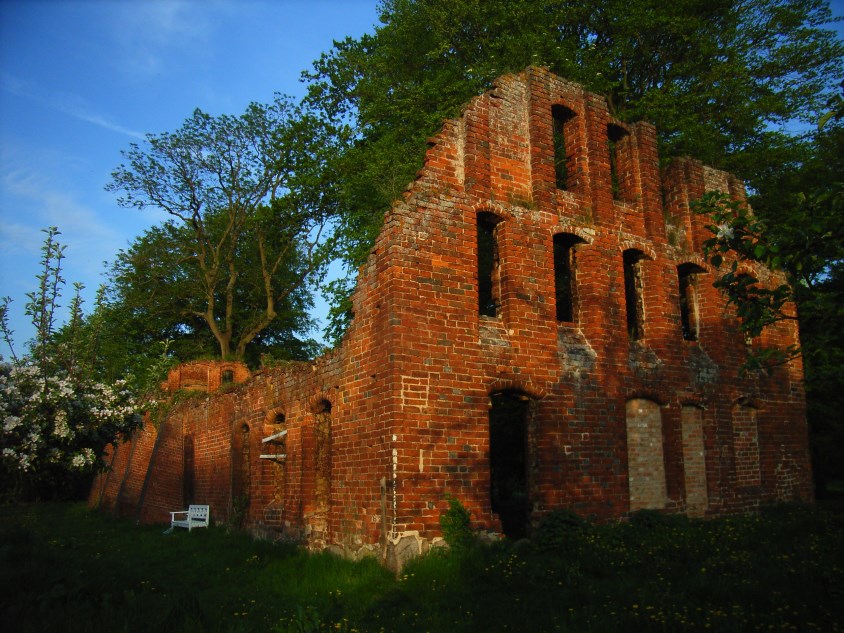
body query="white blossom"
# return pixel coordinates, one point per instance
(11, 423)
(60, 426)
(44, 417)
(725, 232)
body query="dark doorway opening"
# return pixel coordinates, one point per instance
(508, 461)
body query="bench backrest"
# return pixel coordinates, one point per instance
(198, 512)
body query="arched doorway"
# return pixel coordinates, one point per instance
(509, 416)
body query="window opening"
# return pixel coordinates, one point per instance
(508, 461)
(188, 477)
(633, 294)
(687, 277)
(276, 443)
(615, 134)
(241, 475)
(245, 462)
(488, 265)
(228, 376)
(323, 454)
(747, 287)
(565, 287)
(561, 117)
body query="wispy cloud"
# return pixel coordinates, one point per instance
(38, 205)
(151, 34)
(70, 104)
(101, 121)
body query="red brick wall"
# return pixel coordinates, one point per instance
(410, 385)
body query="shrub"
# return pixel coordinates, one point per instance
(557, 529)
(650, 519)
(456, 524)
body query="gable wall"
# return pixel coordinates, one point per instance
(410, 385)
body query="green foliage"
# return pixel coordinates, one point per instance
(456, 524)
(719, 80)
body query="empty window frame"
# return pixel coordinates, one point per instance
(322, 428)
(489, 298)
(634, 294)
(565, 281)
(564, 136)
(747, 288)
(687, 275)
(616, 138)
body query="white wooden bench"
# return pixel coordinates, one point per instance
(195, 516)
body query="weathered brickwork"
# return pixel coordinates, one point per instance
(603, 379)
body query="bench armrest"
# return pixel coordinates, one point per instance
(173, 514)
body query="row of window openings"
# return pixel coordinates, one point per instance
(564, 133)
(565, 253)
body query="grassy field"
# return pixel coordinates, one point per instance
(63, 568)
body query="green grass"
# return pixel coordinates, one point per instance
(63, 568)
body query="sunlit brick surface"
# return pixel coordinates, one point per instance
(409, 387)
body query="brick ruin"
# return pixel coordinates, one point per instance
(535, 328)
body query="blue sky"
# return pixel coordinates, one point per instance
(82, 79)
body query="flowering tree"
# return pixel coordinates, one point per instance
(56, 420)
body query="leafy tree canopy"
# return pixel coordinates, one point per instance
(251, 203)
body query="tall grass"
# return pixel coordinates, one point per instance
(65, 569)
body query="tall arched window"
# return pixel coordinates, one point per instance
(618, 141)
(188, 477)
(565, 276)
(564, 141)
(489, 293)
(633, 294)
(322, 427)
(687, 275)
(241, 474)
